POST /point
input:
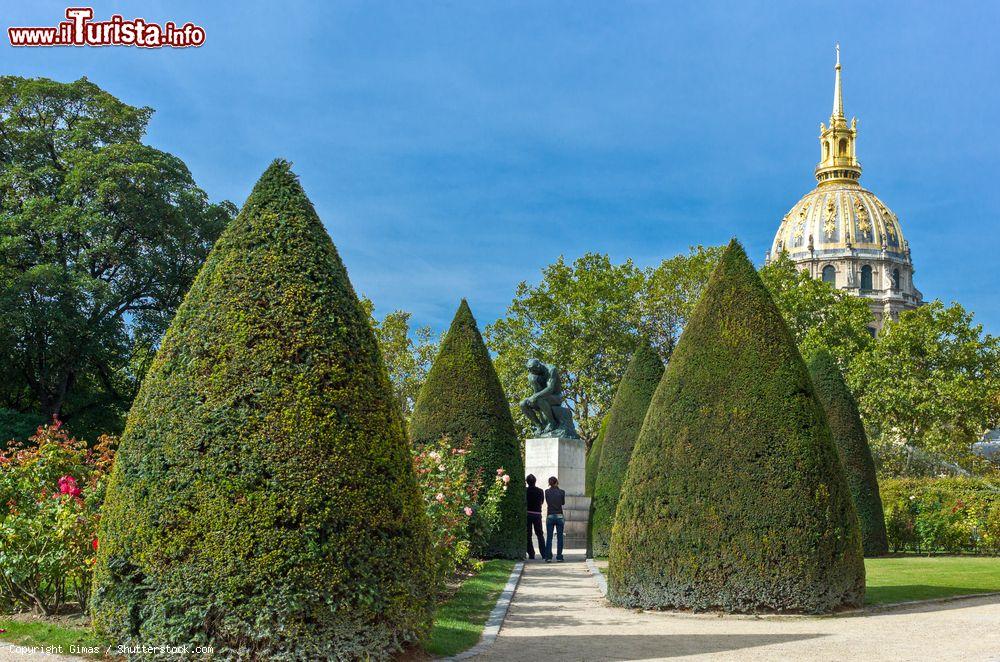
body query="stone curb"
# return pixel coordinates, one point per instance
(599, 578)
(495, 619)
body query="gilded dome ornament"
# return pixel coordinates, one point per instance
(849, 229)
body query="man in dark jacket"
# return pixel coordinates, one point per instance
(555, 499)
(533, 501)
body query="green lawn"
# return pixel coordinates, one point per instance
(459, 621)
(64, 639)
(923, 578)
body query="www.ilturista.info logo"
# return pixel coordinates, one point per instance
(80, 30)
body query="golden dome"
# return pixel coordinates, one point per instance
(837, 216)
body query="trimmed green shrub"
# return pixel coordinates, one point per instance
(594, 458)
(852, 446)
(590, 478)
(735, 498)
(951, 515)
(263, 500)
(462, 397)
(628, 409)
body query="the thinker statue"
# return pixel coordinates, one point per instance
(544, 406)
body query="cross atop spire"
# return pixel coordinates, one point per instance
(838, 96)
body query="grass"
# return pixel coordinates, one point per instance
(59, 638)
(459, 621)
(905, 578)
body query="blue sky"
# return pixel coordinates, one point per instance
(454, 148)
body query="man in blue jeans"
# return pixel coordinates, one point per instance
(555, 498)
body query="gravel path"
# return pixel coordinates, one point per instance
(558, 614)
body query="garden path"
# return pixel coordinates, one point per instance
(559, 614)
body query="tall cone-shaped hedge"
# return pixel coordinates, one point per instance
(462, 398)
(735, 498)
(263, 498)
(852, 445)
(628, 409)
(591, 466)
(593, 462)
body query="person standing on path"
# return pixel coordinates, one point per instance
(534, 497)
(555, 498)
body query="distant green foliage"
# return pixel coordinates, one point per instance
(15, 426)
(462, 397)
(735, 498)
(852, 445)
(263, 500)
(100, 237)
(932, 381)
(624, 422)
(942, 515)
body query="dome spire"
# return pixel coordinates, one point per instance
(838, 95)
(839, 161)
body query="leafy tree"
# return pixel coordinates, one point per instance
(462, 397)
(624, 422)
(100, 237)
(930, 381)
(583, 318)
(263, 500)
(408, 352)
(852, 446)
(587, 316)
(820, 316)
(735, 497)
(672, 291)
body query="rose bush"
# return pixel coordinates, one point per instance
(954, 515)
(449, 496)
(51, 489)
(450, 489)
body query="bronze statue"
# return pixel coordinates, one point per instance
(544, 406)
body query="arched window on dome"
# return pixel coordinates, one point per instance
(830, 275)
(866, 278)
(842, 147)
(826, 149)
(895, 280)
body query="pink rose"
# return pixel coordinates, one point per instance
(468, 511)
(506, 479)
(500, 471)
(67, 485)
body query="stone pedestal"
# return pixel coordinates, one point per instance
(566, 460)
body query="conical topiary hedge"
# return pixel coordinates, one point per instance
(593, 462)
(591, 466)
(263, 500)
(462, 398)
(852, 445)
(735, 498)
(628, 409)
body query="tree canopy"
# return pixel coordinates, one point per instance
(100, 237)
(931, 381)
